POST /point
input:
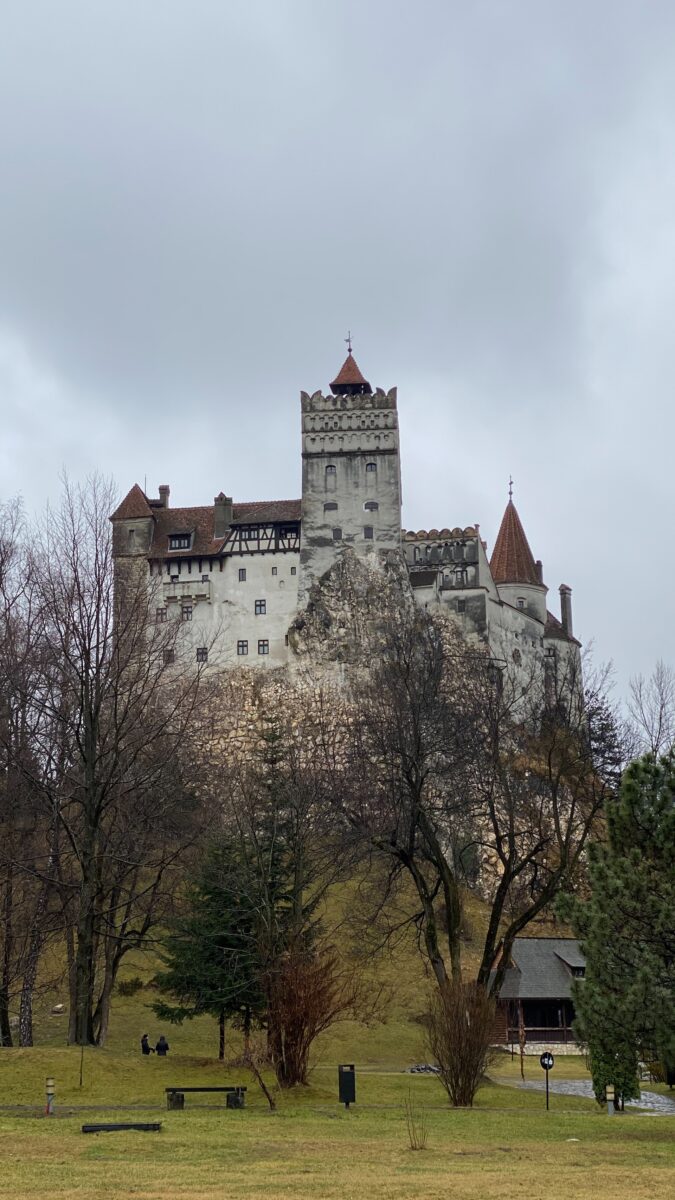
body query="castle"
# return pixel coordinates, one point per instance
(242, 572)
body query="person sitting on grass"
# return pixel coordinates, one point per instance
(162, 1047)
(146, 1048)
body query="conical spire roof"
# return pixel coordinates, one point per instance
(349, 381)
(512, 560)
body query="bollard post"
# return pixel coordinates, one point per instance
(609, 1097)
(51, 1092)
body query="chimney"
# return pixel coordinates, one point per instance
(566, 608)
(540, 571)
(164, 490)
(222, 515)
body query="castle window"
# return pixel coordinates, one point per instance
(520, 602)
(263, 646)
(242, 647)
(242, 574)
(517, 657)
(370, 467)
(330, 506)
(337, 535)
(205, 579)
(186, 612)
(160, 615)
(131, 539)
(260, 608)
(368, 532)
(371, 506)
(461, 606)
(169, 657)
(331, 478)
(275, 570)
(202, 654)
(174, 579)
(179, 541)
(294, 570)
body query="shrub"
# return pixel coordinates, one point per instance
(459, 1036)
(129, 987)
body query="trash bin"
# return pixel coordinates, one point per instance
(347, 1084)
(175, 1100)
(235, 1100)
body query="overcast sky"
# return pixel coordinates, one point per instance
(199, 197)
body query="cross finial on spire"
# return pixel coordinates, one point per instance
(510, 488)
(348, 340)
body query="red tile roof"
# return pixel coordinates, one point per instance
(134, 505)
(554, 629)
(199, 521)
(512, 560)
(349, 375)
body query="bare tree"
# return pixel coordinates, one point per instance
(651, 707)
(458, 774)
(114, 725)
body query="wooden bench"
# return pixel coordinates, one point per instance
(175, 1096)
(110, 1127)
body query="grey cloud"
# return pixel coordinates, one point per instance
(198, 199)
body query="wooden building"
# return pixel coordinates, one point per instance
(537, 992)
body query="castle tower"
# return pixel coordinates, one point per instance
(351, 474)
(518, 577)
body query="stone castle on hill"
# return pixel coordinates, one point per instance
(243, 573)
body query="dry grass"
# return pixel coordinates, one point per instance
(304, 1152)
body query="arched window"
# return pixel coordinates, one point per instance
(331, 478)
(371, 506)
(330, 506)
(370, 467)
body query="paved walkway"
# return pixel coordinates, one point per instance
(651, 1101)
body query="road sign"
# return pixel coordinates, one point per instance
(547, 1060)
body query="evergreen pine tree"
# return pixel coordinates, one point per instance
(626, 1003)
(211, 953)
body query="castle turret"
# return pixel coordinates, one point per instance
(351, 473)
(518, 577)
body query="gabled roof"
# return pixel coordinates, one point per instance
(512, 560)
(541, 969)
(349, 378)
(199, 521)
(134, 505)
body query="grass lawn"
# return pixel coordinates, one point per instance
(507, 1146)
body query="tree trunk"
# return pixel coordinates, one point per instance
(35, 948)
(84, 965)
(221, 1035)
(101, 1016)
(8, 946)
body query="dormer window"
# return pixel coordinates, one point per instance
(579, 972)
(179, 541)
